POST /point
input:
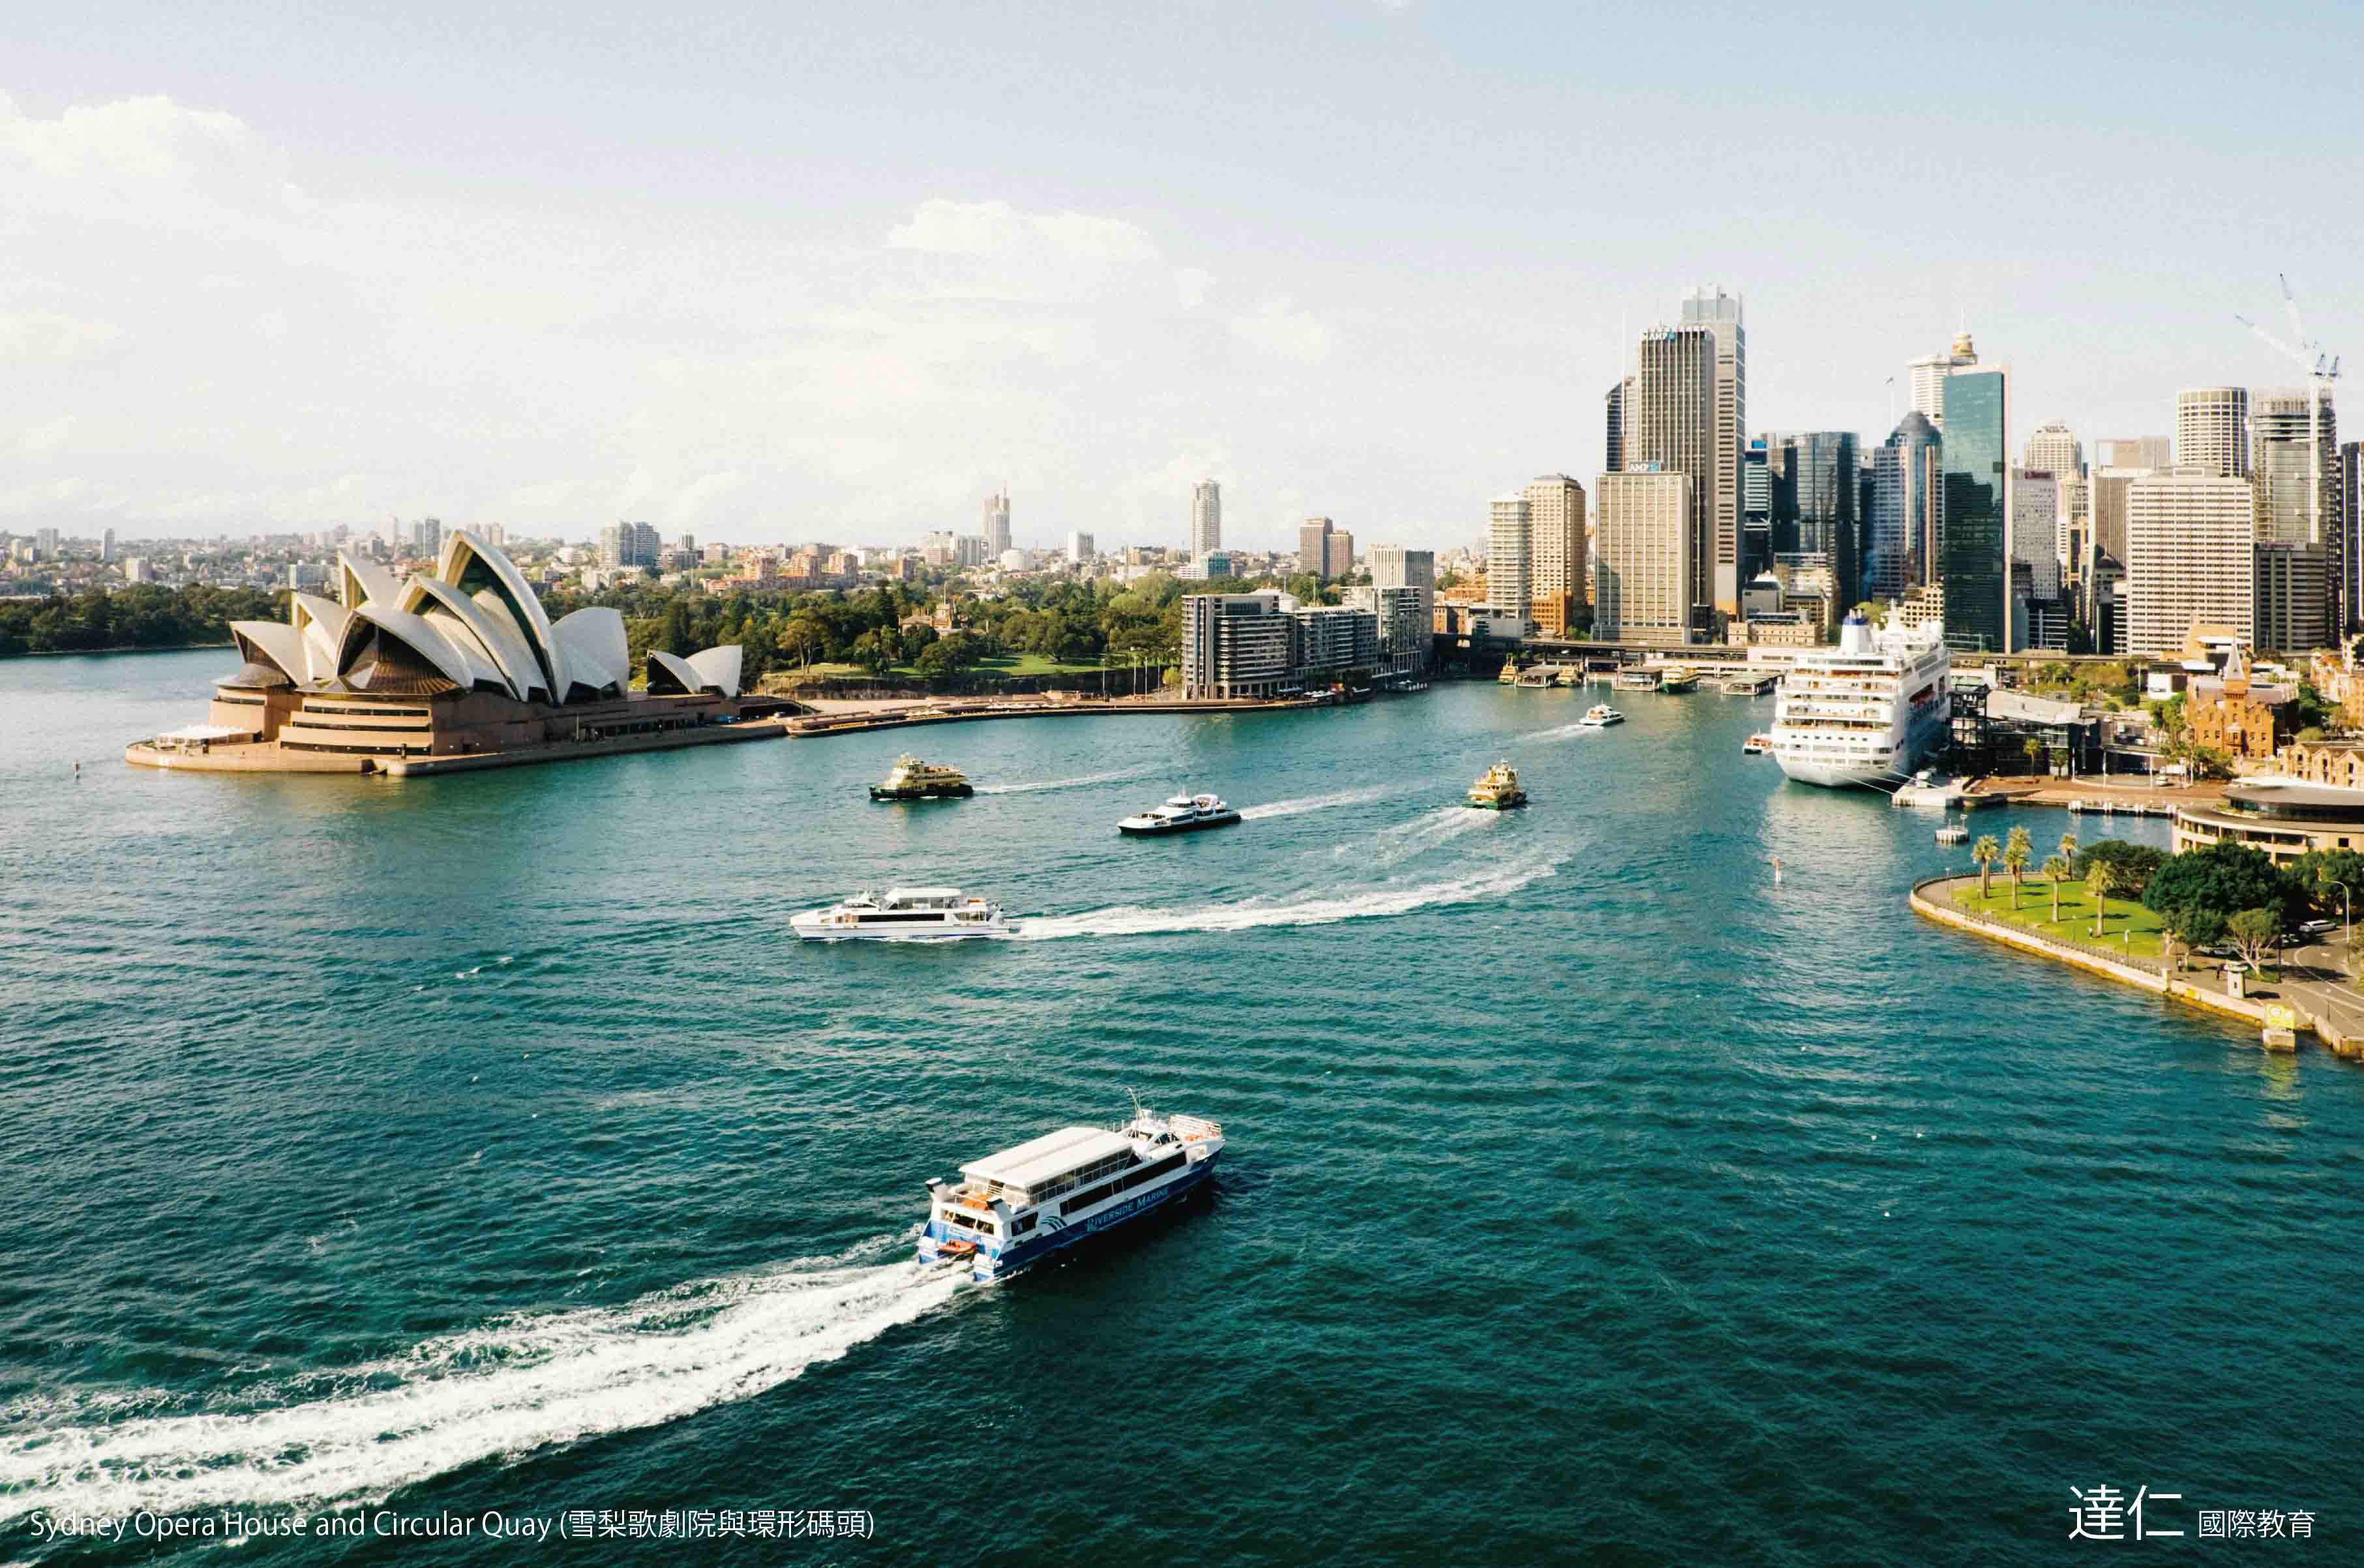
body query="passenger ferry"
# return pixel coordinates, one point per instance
(1600, 716)
(1756, 745)
(911, 779)
(1639, 680)
(904, 914)
(1183, 813)
(1022, 1205)
(1497, 789)
(1866, 712)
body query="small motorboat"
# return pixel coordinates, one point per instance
(1756, 746)
(1600, 715)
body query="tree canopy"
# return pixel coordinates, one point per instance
(2225, 878)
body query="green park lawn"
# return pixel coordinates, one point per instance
(2075, 922)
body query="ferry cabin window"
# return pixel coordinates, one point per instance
(1122, 1183)
(970, 1222)
(1021, 1226)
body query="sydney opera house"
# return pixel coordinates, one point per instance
(454, 668)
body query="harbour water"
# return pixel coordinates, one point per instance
(485, 1144)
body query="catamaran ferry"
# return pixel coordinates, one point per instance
(1866, 712)
(1022, 1205)
(904, 914)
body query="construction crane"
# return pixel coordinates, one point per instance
(2321, 371)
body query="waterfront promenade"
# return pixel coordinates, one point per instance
(2093, 791)
(854, 716)
(2310, 977)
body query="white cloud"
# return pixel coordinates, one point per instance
(44, 337)
(1277, 326)
(996, 228)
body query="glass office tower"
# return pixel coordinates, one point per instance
(1974, 558)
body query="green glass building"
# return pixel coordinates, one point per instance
(1974, 559)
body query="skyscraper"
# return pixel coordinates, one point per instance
(1974, 558)
(1206, 518)
(1755, 509)
(1313, 546)
(1079, 546)
(2137, 451)
(1643, 584)
(1509, 555)
(2035, 529)
(997, 525)
(1721, 314)
(1338, 553)
(1907, 481)
(1555, 506)
(2190, 556)
(2055, 449)
(106, 546)
(1393, 566)
(2211, 429)
(1618, 407)
(1929, 373)
(1673, 426)
(2294, 464)
(2349, 589)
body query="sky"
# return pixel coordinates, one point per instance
(781, 273)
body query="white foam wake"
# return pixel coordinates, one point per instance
(1314, 803)
(1250, 914)
(1423, 833)
(502, 1390)
(1061, 784)
(1564, 732)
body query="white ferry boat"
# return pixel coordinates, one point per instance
(1183, 813)
(1866, 712)
(1022, 1205)
(1600, 716)
(904, 914)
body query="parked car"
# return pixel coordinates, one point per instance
(2317, 927)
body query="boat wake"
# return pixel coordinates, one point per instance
(1314, 803)
(1564, 732)
(1254, 913)
(1421, 834)
(1061, 784)
(503, 1390)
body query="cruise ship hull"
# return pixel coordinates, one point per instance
(991, 1264)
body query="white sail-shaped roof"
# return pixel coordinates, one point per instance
(320, 624)
(413, 633)
(670, 672)
(361, 580)
(272, 642)
(488, 626)
(596, 653)
(476, 569)
(717, 668)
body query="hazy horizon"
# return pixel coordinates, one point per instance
(767, 279)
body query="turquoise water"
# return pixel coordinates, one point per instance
(484, 1144)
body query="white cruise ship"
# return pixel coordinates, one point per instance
(1022, 1205)
(1866, 712)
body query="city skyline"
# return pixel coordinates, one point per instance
(768, 306)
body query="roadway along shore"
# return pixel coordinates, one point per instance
(2326, 1005)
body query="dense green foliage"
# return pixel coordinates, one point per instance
(2320, 874)
(2227, 879)
(2137, 861)
(142, 616)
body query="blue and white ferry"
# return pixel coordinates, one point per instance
(1022, 1205)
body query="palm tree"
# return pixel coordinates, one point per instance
(2017, 850)
(2069, 847)
(1984, 851)
(2057, 869)
(2101, 879)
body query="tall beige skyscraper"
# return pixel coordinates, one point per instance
(1205, 519)
(2191, 555)
(1719, 313)
(2211, 429)
(1394, 566)
(1928, 378)
(1338, 553)
(1674, 427)
(2137, 451)
(997, 524)
(1313, 546)
(1509, 554)
(2055, 450)
(1644, 586)
(1557, 506)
